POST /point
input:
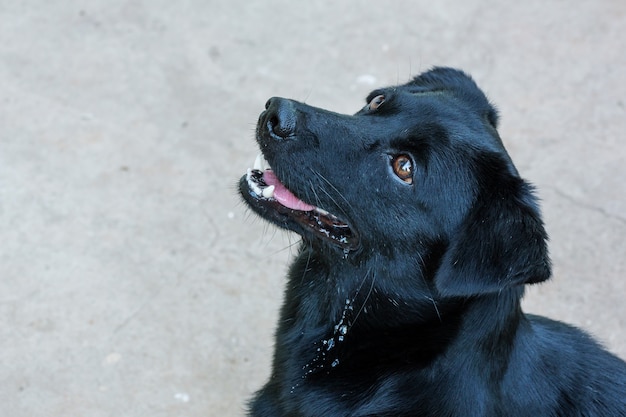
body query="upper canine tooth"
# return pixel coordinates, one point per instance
(268, 192)
(258, 163)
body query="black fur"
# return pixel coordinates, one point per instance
(409, 304)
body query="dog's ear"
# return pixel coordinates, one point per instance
(502, 241)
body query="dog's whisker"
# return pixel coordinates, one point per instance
(286, 248)
(318, 202)
(308, 94)
(367, 297)
(335, 189)
(332, 186)
(431, 299)
(422, 265)
(306, 266)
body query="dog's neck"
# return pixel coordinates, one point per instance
(347, 325)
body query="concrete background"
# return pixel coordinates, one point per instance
(134, 282)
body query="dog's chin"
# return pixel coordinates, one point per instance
(269, 198)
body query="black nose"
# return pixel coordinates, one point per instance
(280, 117)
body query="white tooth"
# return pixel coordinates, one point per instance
(268, 192)
(264, 164)
(322, 211)
(258, 162)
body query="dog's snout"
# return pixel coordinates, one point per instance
(280, 118)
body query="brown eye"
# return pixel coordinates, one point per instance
(376, 102)
(402, 166)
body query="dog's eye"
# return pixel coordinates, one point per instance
(402, 166)
(376, 102)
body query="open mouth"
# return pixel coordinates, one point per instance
(263, 191)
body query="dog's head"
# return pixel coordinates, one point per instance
(419, 173)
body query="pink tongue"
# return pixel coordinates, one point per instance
(283, 195)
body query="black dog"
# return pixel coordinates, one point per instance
(418, 238)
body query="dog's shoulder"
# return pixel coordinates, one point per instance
(566, 366)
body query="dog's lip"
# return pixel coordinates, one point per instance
(275, 201)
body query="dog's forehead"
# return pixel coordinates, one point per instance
(444, 106)
(448, 85)
(465, 115)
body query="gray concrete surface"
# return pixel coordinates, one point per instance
(134, 282)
